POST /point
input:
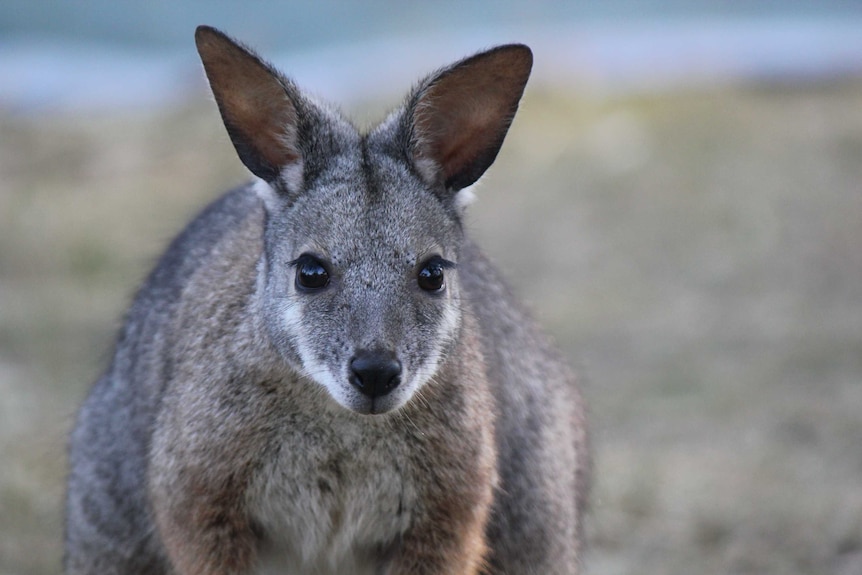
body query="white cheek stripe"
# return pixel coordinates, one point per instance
(311, 368)
(445, 332)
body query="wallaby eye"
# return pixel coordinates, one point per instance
(310, 273)
(431, 277)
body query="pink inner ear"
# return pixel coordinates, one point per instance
(254, 103)
(461, 118)
(461, 151)
(263, 113)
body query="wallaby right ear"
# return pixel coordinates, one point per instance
(257, 104)
(458, 118)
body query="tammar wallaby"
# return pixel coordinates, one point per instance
(323, 375)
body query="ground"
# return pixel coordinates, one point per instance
(697, 256)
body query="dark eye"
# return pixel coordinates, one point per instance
(431, 277)
(310, 273)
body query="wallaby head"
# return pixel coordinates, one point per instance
(359, 288)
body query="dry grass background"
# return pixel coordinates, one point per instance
(698, 256)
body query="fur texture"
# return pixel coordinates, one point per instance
(235, 431)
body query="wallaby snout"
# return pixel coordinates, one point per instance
(231, 433)
(375, 373)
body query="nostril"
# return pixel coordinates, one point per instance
(375, 373)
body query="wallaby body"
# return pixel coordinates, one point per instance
(322, 375)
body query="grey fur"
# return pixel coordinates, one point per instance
(226, 436)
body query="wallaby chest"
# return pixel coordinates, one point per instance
(333, 496)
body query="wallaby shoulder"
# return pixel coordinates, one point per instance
(109, 446)
(206, 275)
(539, 402)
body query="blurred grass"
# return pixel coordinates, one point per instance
(697, 255)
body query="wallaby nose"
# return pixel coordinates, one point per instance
(375, 373)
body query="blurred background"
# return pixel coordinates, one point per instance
(679, 199)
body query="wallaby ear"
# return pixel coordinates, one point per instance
(257, 104)
(459, 117)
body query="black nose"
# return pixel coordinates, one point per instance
(375, 373)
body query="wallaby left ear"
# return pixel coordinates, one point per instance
(458, 118)
(258, 105)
